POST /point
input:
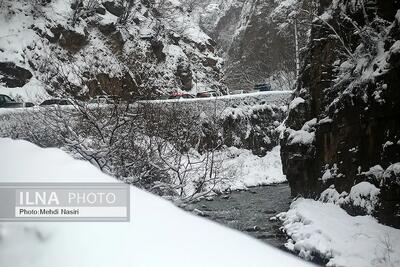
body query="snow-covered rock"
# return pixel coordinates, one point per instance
(295, 102)
(301, 137)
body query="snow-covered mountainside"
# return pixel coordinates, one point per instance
(89, 47)
(255, 49)
(155, 236)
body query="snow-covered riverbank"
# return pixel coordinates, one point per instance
(239, 169)
(326, 230)
(253, 170)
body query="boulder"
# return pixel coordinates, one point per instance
(13, 76)
(184, 73)
(123, 86)
(100, 10)
(114, 8)
(72, 41)
(69, 39)
(157, 47)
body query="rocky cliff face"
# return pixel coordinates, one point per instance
(252, 46)
(343, 126)
(89, 47)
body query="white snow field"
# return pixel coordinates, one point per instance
(350, 241)
(159, 233)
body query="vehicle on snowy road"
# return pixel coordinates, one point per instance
(263, 87)
(208, 94)
(237, 92)
(56, 101)
(106, 99)
(180, 95)
(8, 102)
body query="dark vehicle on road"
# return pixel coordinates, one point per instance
(8, 102)
(208, 94)
(180, 95)
(237, 92)
(264, 87)
(52, 102)
(164, 97)
(29, 104)
(106, 99)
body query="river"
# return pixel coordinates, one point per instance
(250, 211)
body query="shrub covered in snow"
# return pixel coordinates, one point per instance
(390, 182)
(391, 175)
(363, 196)
(374, 174)
(330, 195)
(167, 149)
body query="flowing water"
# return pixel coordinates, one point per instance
(250, 211)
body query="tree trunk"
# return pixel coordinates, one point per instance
(296, 43)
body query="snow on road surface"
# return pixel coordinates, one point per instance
(225, 97)
(247, 99)
(351, 241)
(159, 234)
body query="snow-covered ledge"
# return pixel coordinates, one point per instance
(159, 234)
(326, 230)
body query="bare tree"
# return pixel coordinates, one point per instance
(292, 20)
